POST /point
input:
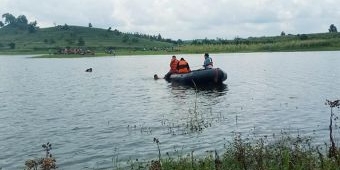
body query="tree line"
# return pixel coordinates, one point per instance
(253, 40)
(20, 22)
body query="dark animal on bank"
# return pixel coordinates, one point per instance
(88, 70)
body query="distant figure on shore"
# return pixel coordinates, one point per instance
(88, 70)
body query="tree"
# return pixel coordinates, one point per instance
(90, 25)
(22, 19)
(52, 41)
(9, 18)
(116, 32)
(11, 45)
(81, 41)
(135, 40)
(70, 41)
(109, 29)
(303, 36)
(65, 27)
(1, 24)
(194, 42)
(332, 28)
(32, 27)
(283, 33)
(125, 38)
(159, 37)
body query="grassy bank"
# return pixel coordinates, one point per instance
(283, 151)
(102, 54)
(310, 45)
(54, 40)
(286, 152)
(308, 42)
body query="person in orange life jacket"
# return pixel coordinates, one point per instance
(208, 63)
(173, 64)
(183, 66)
(173, 67)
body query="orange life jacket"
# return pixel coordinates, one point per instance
(183, 67)
(173, 65)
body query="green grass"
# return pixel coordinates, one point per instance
(284, 152)
(51, 40)
(318, 44)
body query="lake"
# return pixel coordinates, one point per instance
(110, 116)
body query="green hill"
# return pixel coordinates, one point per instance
(19, 39)
(22, 38)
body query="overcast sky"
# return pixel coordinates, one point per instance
(184, 19)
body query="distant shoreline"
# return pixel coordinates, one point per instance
(185, 51)
(78, 41)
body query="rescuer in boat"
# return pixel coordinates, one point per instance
(208, 63)
(173, 67)
(183, 66)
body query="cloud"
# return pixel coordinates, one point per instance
(189, 19)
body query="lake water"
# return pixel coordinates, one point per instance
(115, 112)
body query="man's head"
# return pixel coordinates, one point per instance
(155, 77)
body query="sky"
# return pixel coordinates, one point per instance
(184, 19)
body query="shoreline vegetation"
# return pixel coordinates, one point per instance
(21, 37)
(197, 49)
(275, 45)
(283, 151)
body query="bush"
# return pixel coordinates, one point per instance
(11, 45)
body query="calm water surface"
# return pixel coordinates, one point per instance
(116, 111)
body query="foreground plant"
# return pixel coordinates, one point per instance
(284, 152)
(333, 150)
(46, 163)
(156, 165)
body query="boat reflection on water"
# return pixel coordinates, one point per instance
(210, 87)
(197, 108)
(187, 91)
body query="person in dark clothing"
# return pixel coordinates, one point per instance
(208, 63)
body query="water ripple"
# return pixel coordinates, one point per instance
(118, 109)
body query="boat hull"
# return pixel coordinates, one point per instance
(199, 77)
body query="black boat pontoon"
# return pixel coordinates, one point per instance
(199, 77)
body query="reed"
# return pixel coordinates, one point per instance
(285, 152)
